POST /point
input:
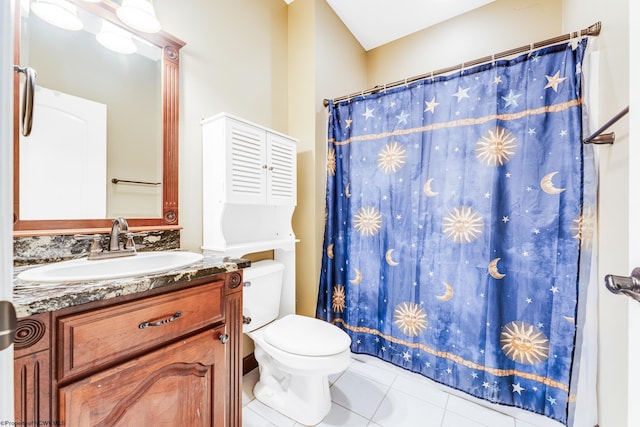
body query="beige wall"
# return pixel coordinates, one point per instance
(496, 27)
(235, 60)
(302, 62)
(325, 61)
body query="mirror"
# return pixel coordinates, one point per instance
(133, 99)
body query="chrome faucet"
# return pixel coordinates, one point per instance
(119, 225)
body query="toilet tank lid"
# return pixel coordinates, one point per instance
(306, 336)
(260, 268)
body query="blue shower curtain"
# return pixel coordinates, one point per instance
(459, 224)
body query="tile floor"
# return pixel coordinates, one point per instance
(375, 393)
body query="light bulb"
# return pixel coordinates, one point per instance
(139, 14)
(115, 38)
(60, 13)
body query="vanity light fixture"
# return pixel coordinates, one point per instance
(115, 38)
(60, 13)
(139, 14)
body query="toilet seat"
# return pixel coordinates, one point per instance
(306, 336)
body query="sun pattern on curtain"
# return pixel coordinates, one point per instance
(460, 210)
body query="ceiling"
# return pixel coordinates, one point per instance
(377, 22)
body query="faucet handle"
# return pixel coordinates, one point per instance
(130, 244)
(96, 244)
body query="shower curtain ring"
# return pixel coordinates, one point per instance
(493, 59)
(462, 68)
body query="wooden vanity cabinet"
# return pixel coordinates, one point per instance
(163, 357)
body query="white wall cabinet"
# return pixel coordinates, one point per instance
(249, 184)
(253, 165)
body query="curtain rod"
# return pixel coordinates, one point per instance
(593, 30)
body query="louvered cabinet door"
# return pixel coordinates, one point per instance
(246, 164)
(281, 170)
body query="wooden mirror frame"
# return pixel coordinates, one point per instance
(170, 46)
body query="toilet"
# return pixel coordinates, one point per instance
(295, 354)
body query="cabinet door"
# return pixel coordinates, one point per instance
(32, 371)
(281, 170)
(32, 379)
(182, 384)
(246, 163)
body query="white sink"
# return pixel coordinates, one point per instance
(82, 269)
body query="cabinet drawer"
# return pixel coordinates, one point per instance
(100, 337)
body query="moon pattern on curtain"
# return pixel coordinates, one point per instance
(460, 216)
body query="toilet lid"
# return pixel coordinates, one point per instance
(306, 336)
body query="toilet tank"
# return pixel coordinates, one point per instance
(261, 293)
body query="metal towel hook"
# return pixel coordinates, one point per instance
(27, 97)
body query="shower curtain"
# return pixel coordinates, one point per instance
(459, 227)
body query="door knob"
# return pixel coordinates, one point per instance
(8, 324)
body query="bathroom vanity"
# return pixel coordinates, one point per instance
(159, 349)
(150, 350)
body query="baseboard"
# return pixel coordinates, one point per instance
(249, 363)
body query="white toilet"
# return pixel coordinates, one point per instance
(295, 354)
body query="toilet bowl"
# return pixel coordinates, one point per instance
(295, 354)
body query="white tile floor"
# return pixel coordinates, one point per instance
(374, 393)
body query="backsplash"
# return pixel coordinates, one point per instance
(44, 249)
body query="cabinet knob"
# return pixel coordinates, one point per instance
(224, 338)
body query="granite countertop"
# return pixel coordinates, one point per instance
(33, 298)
